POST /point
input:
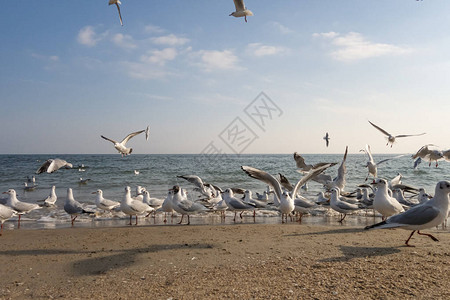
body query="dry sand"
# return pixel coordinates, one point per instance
(261, 261)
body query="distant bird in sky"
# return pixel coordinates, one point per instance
(117, 3)
(53, 165)
(120, 146)
(241, 10)
(327, 139)
(391, 138)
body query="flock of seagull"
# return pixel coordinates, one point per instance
(386, 198)
(241, 10)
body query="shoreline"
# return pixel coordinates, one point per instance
(221, 261)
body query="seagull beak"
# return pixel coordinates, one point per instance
(5, 193)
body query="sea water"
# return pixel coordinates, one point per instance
(158, 173)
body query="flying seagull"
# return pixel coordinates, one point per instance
(117, 3)
(371, 165)
(241, 10)
(391, 138)
(52, 165)
(120, 146)
(327, 139)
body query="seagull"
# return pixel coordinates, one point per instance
(19, 206)
(28, 188)
(73, 207)
(434, 155)
(286, 198)
(382, 202)
(241, 10)
(104, 204)
(117, 3)
(423, 196)
(203, 188)
(136, 172)
(147, 133)
(341, 206)
(391, 138)
(83, 181)
(184, 206)
(303, 206)
(121, 146)
(300, 161)
(236, 204)
(5, 214)
(133, 207)
(248, 198)
(327, 139)
(372, 165)
(430, 214)
(51, 199)
(166, 206)
(155, 203)
(339, 180)
(52, 165)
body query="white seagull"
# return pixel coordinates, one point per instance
(51, 199)
(236, 204)
(52, 165)
(241, 10)
(5, 214)
(166, 206)
(341, 206)
(19, 206)
(73, 207)
(382, 202)
(391, 138)
(104, 204)
(184, 206)
(339, 181)
(428, 215)
(371, 165)
(120, 146)
(117, 3)
(133, 207)
(286, 198)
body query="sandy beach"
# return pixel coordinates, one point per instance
(244, 261)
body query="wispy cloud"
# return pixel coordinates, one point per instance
(354, 46)
(259, 50)
(281, 28)
(170, 40)
(88, 37)
(153, 29)
(160, 57)
(221, 60)
(124, 41)
(144, 71)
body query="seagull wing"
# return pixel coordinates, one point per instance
(120, 16)
(380, 129)
(147, 132)
(56, 164)
(384, 160)
(406, 135)
(417, 215)
(43, 168)
(304, 179)
(239, 4)
(112, 141)
(285, 182)
(128, 137)
(369, 153)
(300, 161)
(195, 180)
(265, 177)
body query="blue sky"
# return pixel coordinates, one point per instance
(71, 73)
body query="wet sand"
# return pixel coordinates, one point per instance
(261, 261)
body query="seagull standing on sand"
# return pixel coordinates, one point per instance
(73, 207)
(5, 214)
(286, 198)
(383, 203)
(184, 206)
(428, 215)
(340, 206)
(53, 165)
(241, 10)
(19, 206)
(120, 146)
(133, 207)
(104, 204)
(117, 3)
(166, 206)
(236, 204)
(391, 138)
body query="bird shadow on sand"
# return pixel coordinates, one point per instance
(332, 231)
(100, 262)
(349, 253)
(103, 261)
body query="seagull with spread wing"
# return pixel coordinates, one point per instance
(117, 3)
(391, 138)
(120, 146)
(372, 165)
(241, 10)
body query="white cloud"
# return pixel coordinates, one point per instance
(171, 40)
(144, 71)
(153, 29)
(259, 50)
(160, 56)
(222, 60)
(353, 46)
(124, 41)
(87, 36)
